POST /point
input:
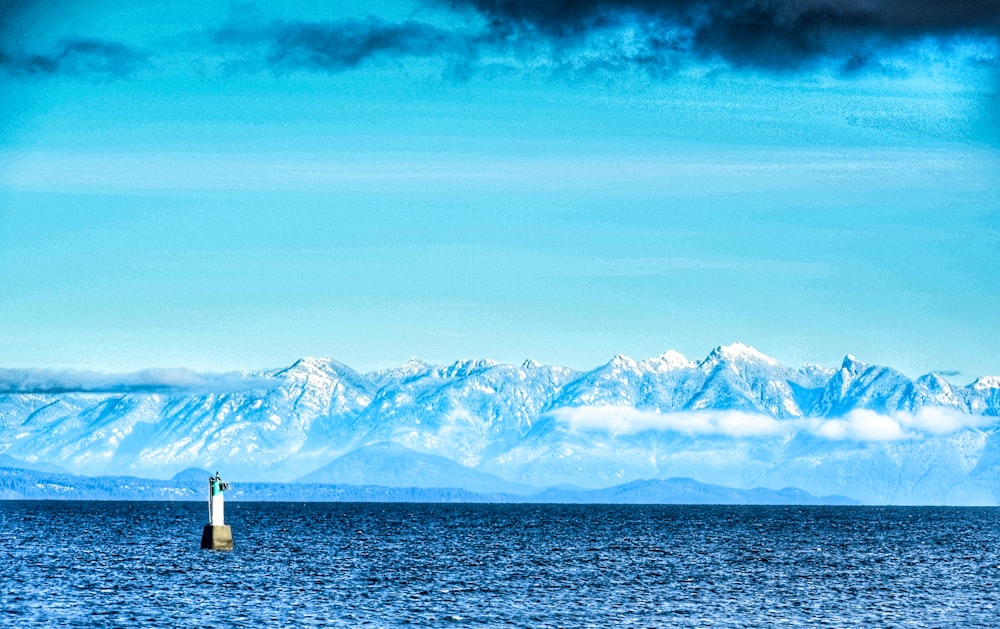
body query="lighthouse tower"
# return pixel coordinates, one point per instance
(217, 535)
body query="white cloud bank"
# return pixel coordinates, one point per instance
(858, 425)
(170, 380)
(626, 420)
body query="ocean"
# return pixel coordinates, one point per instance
(138, 564)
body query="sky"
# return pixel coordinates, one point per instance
(225, 186)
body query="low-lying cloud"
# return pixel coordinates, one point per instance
(857, 425)
(626, 420)
(167, 381)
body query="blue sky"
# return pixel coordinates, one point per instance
(228, 186)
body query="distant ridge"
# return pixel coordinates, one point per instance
(687, 491)
(392, 465)
(192, 474)
(9, 461)
(20, 484)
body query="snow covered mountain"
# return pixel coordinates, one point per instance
(736, 418)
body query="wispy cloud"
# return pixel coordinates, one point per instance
(948, 373)
(80, 56)
(346, 44)
(857, 425)
(48, 381)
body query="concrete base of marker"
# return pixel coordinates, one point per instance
(217, 537)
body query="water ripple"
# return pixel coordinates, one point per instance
(99, 564)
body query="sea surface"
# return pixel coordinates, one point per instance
(138, 564)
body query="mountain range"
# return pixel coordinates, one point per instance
(736, 418)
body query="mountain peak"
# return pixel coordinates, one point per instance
(410, 368)
(986, 382)
(413, 366)
(310, 365)
(852, 364)
(466, 366)
(932, 379)
(621, 360)
(669, 361)
(530, 363)
(313, 362)
(737, 352)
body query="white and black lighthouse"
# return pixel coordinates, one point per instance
(217, 535)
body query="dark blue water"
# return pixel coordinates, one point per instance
(99, 564)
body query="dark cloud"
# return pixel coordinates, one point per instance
(752, 17)
(948, 373)
(339, 46)
(86, 57)
(168, 381)
(657, 36)
(12, 13)
(773, 34)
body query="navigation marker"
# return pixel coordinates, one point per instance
(217, 535)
